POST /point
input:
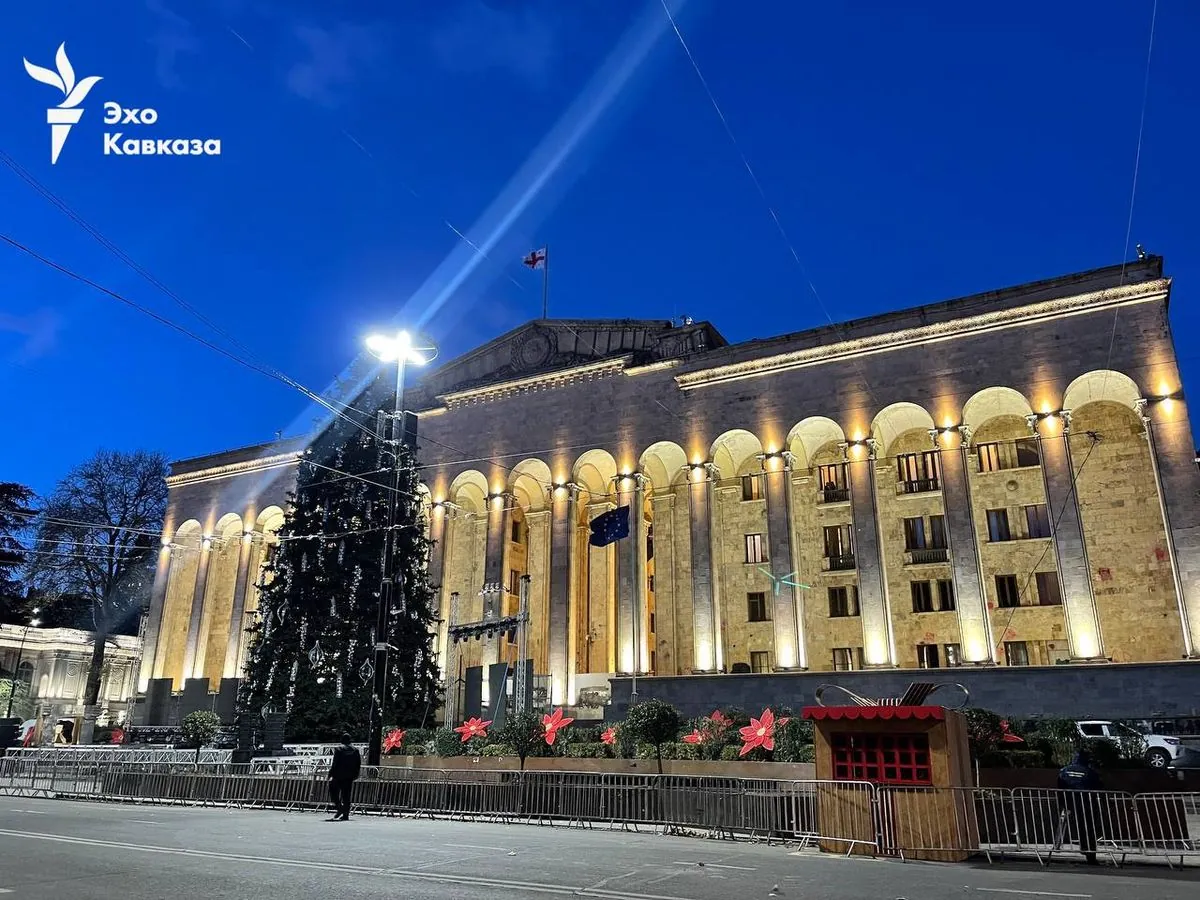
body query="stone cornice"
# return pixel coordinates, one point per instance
(941, 331)
(533, 383)
(263, 464)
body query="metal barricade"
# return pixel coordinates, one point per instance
(1169, 824)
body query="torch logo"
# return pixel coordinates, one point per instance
(61, 118)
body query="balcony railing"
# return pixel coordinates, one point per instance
(927, 556)
(919, 486)
(839, 563)
(833, 495)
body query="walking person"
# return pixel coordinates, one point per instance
(1080, 780)
(343, 772)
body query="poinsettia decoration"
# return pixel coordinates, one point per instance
(394, 740)
(118, 735)
(608, 735)
(759, 733)
(719, 719)
(553, 723)
(473, 727)
(696, 737)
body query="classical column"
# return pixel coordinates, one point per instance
(158, 599)
(705, 628)
(970, 595)
(1172, 458)
(192, 649)
(631, 590)
(237, 624)
(777, 473)
(438, 534)
(562, 530)
(495, 582)
(1066, 527)
(868, 555)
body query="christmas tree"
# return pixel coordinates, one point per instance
(312, 647)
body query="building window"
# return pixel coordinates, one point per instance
(652, 623)
(514, 582)
(953, 655)
(752, 487)
(1017, 653)
(756, 607)
(914, 533)
(760, 661)
(998, 529)
(922, 596)
(995, 457)
(833, 485)
(945, 595)
(843, 601)
(937, 533)
(927, 656)
(1047, 589)
(1007, 594)
(839, 546)
(917, 472)
(1037, 522)
(516, 532)
(847, 659)
(755, 549)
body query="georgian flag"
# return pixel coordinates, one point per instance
(536, 259)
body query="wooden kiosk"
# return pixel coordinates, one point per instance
(915, 755)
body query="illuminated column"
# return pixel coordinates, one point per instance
(777, 473)
(562, 532)
(970, 596)
(1172, 456)
(438, 534)
(237, 618)
(158, 597)
(631, 591)
(705, 628)
(499, 521)
(868, 555)
(1062, 508)
(192, 648)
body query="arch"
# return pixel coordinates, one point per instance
(663, 463)
(992, 402)
(897, 419)
(217, 611)
(529, 482)
(177, 606)
(187, 533)
(595, 470)
(269, 521)
(469, 491)
(733, 450)
(809, 435)
(1102, 384)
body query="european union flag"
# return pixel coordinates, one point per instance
(610, 527)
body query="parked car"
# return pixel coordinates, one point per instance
(1160, 749)
(1188, 758)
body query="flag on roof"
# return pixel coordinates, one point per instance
(536, 258)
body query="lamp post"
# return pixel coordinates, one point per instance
(12, 682)
(401, 349)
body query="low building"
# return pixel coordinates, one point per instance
(1005, 479)
(49, 667)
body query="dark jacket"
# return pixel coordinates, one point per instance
(1079, 776)
(347, 763)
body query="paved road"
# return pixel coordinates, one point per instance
(93, 850)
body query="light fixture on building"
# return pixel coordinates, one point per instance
(206, 543)
(247, 537)
(166, 539)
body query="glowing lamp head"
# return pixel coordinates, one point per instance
(35, 622)
(398, 346)
(207, 542)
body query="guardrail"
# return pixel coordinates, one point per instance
(841, 817)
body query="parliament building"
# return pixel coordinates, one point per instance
(1007, 479)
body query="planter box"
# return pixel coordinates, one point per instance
(695, 768)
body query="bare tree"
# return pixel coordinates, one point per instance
(96, 538)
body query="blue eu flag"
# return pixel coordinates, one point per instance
(610, 527)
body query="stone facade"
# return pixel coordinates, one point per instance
(1003, 479)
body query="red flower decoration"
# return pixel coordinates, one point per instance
(1007, 736)
(694, 738)
(608, 736)
(720, 719)
(759, 733)
(394, 740)
(473, 727)
(118, 735)
(552, 723)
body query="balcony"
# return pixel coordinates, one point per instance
(833, 495)
(920, 486)
(928, 556)
(844, 563)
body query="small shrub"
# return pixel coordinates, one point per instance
(793, 741)
(447, 742)
(1060, 736)
(653, 722)
(729, 753)
(984, 731)
(494, 750)
(523, 732)
(582, 750)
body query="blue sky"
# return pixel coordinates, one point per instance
(913, 152)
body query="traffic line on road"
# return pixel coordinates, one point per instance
(448, 878)
(1031, 893)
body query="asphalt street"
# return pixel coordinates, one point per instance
(93, 850)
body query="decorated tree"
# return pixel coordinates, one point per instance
(312, 648)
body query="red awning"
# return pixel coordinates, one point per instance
(874, 712)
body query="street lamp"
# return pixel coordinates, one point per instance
(12, 682)
(401, 349)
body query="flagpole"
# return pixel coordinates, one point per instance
(546, 283)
